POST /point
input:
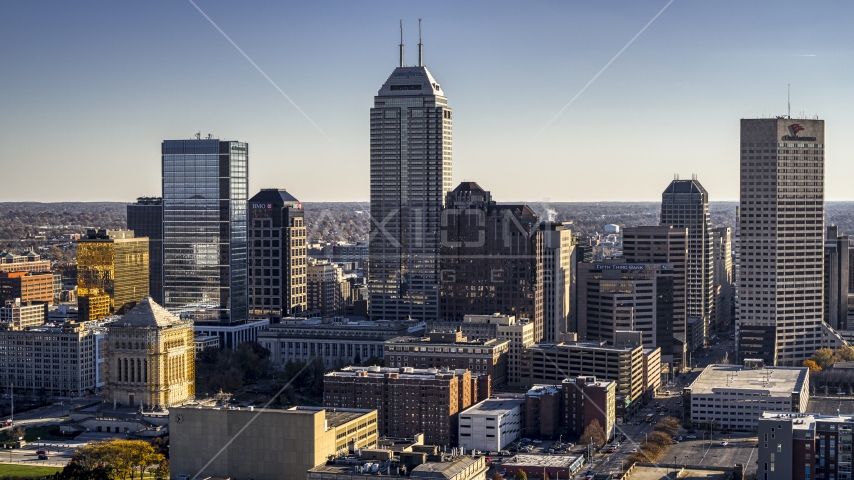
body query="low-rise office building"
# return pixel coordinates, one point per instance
(804, 446)
(29, 261)
(551, 363)
(450, 350)
(409, 401)
(16, 315)
(26, 286)
(555, 466)
(492, 424)
(733, 397)
(273, 444)
(651, 372)
(519, 332)
(201, 342)
(338, 341)
(56, 361)
(425, 462)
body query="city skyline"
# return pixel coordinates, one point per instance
(133, 75)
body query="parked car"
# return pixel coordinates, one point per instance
(537, 441)
(724, 443)
(692, 437)
(42, 457)
(41, 452)
(634, 450)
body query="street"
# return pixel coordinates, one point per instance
(736, 452)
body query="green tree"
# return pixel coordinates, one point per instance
(125, 459)
(844, 353)
(520, 475)
(595, 432)
(162, 469)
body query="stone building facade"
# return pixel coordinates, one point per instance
(150, 358)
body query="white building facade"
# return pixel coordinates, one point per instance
(492, 424)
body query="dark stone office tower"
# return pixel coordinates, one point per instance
(685, 204)
(488, 256)
(836, 271)
(277, 255)
(145, 218)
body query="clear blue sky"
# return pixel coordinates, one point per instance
(89, 89)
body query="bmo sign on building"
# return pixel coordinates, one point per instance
(277, 255)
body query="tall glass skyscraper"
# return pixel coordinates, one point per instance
(204, 229)
(410, 175)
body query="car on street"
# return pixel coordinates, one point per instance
(634, 450)
(724, 443)
(691, 437)
(42, 457)
(537, 441)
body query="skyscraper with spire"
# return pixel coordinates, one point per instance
(411, 150)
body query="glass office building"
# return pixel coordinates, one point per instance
(145, 218)
(204, 229)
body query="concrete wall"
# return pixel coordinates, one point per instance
(275, 445)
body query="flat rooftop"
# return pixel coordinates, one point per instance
(494, 406)
(403, 372)
(806, 420)
(334, 416)
(557, 461)
(438, 470)
(777, 381)
(663, 473)
(600, 346)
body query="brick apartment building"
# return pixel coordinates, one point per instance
(586, 399)
(543, 411)
(450, 350)
(408, 400)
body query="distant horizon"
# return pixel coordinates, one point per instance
(368, 201)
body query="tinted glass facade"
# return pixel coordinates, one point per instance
(145, 218)
(204, 229)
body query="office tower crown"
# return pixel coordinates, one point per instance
(410, 81)
(685, 186)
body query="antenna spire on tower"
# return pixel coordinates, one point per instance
(789, 102)
(401, 42)
(420, 46)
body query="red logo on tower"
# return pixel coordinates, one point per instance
(795, 128)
